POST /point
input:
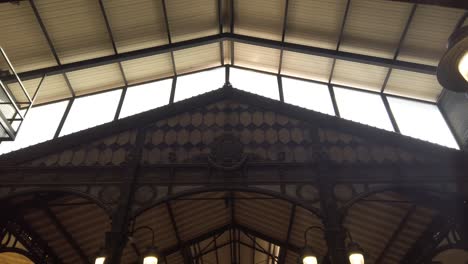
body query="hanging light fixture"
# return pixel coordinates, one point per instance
(452, 71)
(151, 255)
(355, 253)
(308, 255)
(100, 257)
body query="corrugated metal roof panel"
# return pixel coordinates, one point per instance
(53, 88)
(373, 222)
(259, 18)
(136, 24)
(306, 66)
(256, 57)
(197, 217)
(359, 75)
(175, 258)
(269, 216)
(158, 219)
(87, 223)
(96, 79)
(374, 27)
(188, 20)
(315, 23)
(427, 35)
(22, 39)
(413, 84)
(415, 226)
(197, 58)
(47, 230)
(148, 68)
(77, 29)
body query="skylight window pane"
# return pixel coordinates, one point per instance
(39, 125)
(254, 82)
(145, 97)
(421, 120)
(363, 107)
(198, 83)
(308, 95)
(90, 111)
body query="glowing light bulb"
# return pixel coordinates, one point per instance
(309, 260)
(463, 66)
(150, 260)
(356, 258)
(100, 260)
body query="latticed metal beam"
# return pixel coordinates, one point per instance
(59, 69)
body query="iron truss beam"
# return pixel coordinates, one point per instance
(341, 55)
(428, 241)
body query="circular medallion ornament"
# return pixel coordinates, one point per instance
(110, 194)
(308, 192)
(227, 152)
(145, 194)
(343, 192)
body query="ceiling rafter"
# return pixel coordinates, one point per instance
(169, 38)
(403, 65)
(428, 240)
(114, 47)
(231, 29)
(340, 38)
(258, 247)
(68, 237)
(220, 30)
(400, 43)
(283, 34)
(182, 248)
(51, 45)
(267, 238)
(395, 234)
(283, 250)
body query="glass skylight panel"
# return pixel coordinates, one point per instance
(90, 111)
(421, 120)
(309, 95)
(145, 97)
(363, 107)
(39, 125)
(198, 83)
(254, 82)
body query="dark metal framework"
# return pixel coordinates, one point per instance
(232, 37)
(280, 88)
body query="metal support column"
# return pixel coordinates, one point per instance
(118, 236)
(335, 234)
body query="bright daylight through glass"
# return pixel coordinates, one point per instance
(415, 119)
